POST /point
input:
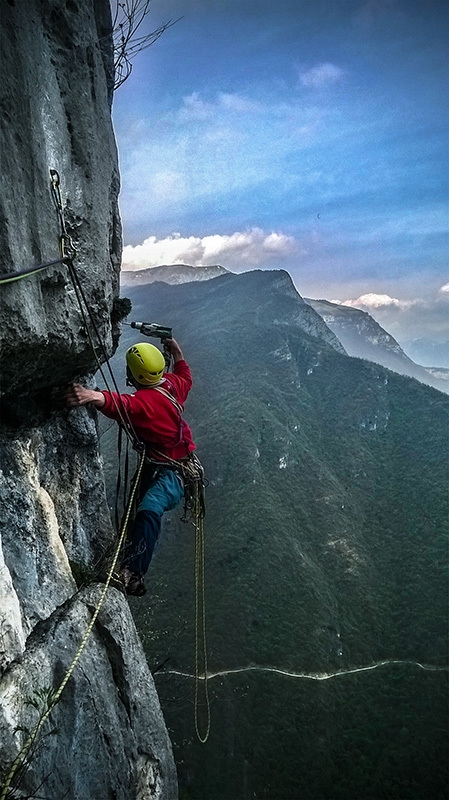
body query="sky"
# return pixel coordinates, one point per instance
(297, 135)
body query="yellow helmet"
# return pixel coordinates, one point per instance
(146, 363)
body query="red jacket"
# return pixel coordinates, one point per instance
(154, 418)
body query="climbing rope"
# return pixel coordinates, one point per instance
(195, 471)
(200, 619)
(66, 246)
(116, 398)
(57, 695)
(9, 277)
(68, 253)
(194, 511)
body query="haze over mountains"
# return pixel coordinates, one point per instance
(326, 548)
(363, 337)
(428, 352)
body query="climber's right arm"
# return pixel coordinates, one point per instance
(77, 395)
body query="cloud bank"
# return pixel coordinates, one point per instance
(251, 248)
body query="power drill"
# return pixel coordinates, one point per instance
(151, 329)
(158, 332)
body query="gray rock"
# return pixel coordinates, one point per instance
(111, 740)
(56, 115)
(55, 522)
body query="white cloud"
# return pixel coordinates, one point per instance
(195, 108)
(321, 75)
(239, 103)
(445, 288)
(372, 300)
(249, 248)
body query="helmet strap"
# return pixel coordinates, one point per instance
(130, 380)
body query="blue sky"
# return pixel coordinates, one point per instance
(308, 136)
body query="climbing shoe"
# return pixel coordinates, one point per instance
(133, 582)
(136, 586)
(117, 582)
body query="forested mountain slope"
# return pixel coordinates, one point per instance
(326, 555)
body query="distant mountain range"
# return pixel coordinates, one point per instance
(173, 274)
(363, 337)
(360, 335)
(326, 554)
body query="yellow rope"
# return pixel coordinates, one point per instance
(200, 620)
(195, 470)
(56, 697)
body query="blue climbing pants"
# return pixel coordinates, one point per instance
(164, 493)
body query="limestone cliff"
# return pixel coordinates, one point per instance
(111, 741)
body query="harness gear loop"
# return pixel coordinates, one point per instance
(57, 695)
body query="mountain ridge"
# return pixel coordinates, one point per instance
(171, 273)
(363, 337)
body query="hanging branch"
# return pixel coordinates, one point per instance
(127, 19)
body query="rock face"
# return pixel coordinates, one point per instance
(55, 109)
(111, 740)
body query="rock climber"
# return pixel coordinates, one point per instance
(154, 411)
